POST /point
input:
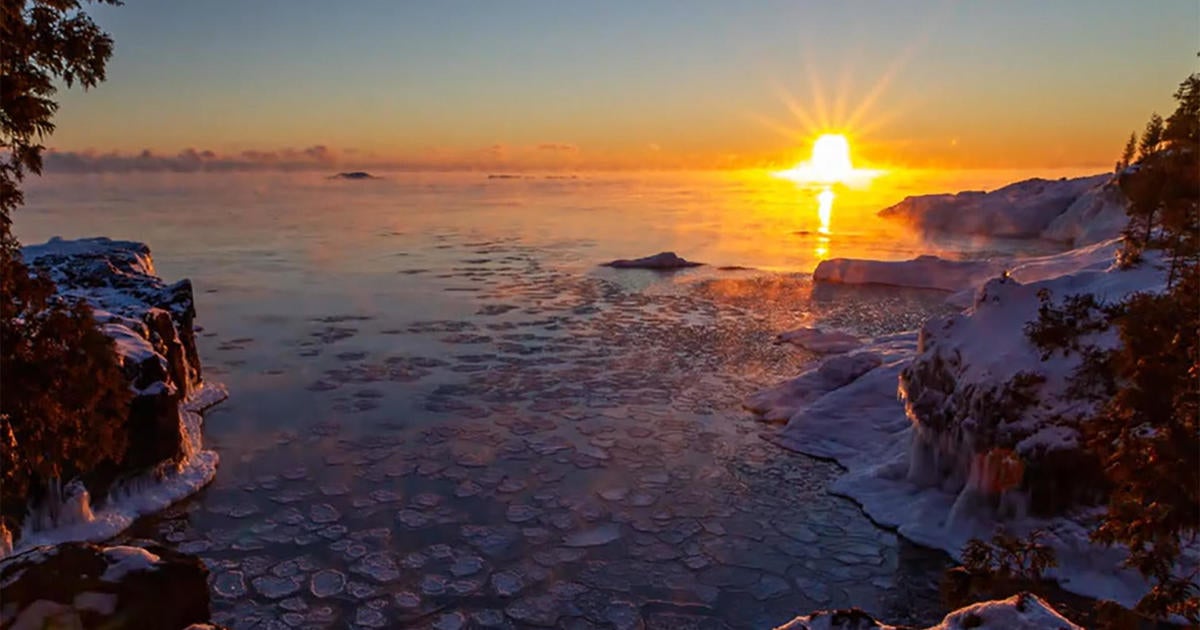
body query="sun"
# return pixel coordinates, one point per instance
(830, 163)
(831, 158)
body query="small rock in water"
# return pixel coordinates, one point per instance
(594, 537)
(661, 260)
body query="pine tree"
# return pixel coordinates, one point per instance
(1146, 430)
(1128, 153)
(1151, 136)
(1148, 433)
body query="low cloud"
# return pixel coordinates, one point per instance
(557, 147)
(188, 160)
(548, 155)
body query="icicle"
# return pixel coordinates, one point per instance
(6, 542)
(62, 507)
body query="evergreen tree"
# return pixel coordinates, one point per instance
(1151, 136)
(1128, 153)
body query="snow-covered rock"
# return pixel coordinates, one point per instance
(81, 585)
(1097, 215)
(661, 260)
(982, 398)
(783, 400)
(922, 272)
(964, 276)
(1020, 210)
(1023, 611)
(151, 324)
(984, 436)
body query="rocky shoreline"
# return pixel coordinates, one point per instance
(48, 571)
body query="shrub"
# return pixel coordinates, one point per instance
(63, 397)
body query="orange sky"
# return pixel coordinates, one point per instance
(530, 85)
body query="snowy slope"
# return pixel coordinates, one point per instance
(1020, 210)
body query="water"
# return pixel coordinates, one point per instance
(442, 413)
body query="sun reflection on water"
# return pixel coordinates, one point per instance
(824, 214)
(824, 209)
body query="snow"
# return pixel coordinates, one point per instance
(821, 341)
(661, 260)
(923, 272)
(783, 400)
(1021, 210)
(125, 560)
(939, 485)
(137, 253)
(963, 276)
(1097, 215)
(1019, 612)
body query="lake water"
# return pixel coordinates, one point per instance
(443, 413)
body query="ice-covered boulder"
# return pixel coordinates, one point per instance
(1020, 210)
(1023, 611)
(922, 272)
(81, 585)
(660, 261)
(152, 325)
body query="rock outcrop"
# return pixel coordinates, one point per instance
(352, 175)
(151, 323)
(659, 261)
(82, 585)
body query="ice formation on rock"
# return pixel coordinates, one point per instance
(151, 323)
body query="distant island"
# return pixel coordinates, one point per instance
(354, 175)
